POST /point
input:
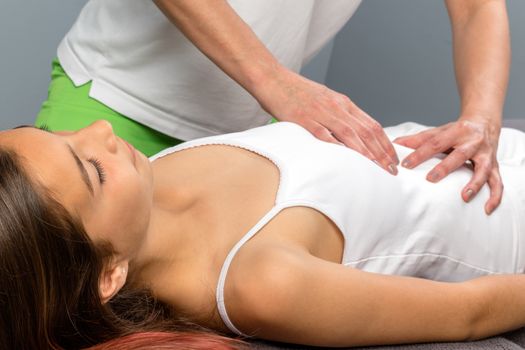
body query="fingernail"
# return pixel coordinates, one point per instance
(406, 164)
(469, 194)
(396, 159)
(433, 177)
(392, 169)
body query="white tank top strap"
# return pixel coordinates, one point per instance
(226, 265)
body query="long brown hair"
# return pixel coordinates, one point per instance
(49, 273)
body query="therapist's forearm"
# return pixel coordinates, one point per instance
(217, 31)
(482, 58)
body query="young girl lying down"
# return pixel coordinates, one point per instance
(267, 233)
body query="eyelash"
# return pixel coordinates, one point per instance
(100, 170)
(44, 127)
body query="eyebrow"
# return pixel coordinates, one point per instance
(83, 172)
(25, 126)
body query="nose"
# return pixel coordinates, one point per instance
(101, 132)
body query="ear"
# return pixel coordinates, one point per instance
(112, 280)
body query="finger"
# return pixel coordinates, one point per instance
(453, 161)
(348, 136)
(374, 139)
(384, 141)
(366, 139)
(369, 128)
(432, 146)
(479, 178)
(496, 191)
(321, 132)
(416, 140)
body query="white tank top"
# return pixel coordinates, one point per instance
(143, 67)
(400, 224)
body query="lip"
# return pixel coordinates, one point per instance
(132, 150)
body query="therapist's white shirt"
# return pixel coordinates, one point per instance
(142, 66)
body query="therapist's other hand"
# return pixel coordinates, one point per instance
(329, 116)
(464, 140)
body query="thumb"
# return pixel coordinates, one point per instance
(410, 141)
(416, 140)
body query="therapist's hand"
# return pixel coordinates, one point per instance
(219, 33)
(328, 115)
(464, 140)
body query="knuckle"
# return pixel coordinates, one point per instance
(347, 131)
(485, 169)
(434, 144)
(318, 131)
(485, 158)
(376, 127)
(366, 135)
(345, 99)
(463, 152)
(334, 103)
(484, 163)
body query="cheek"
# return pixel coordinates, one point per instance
(123, 214)
(131, 204)
(130, 189)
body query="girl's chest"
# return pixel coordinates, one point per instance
(236, 188)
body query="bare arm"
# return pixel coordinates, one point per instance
(482, 58)
(294, 297)
(215, 28)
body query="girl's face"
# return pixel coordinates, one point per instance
(97, 176)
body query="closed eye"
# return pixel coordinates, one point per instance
(100, 169)
(96, 163)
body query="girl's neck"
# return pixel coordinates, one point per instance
(172, 236)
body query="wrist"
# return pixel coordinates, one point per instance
(491, 122)
(262, 75)
(272, 86)
(492, 119)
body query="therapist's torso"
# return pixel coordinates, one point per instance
(142, 66)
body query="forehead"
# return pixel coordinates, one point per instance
(31, 144)
(47, 159)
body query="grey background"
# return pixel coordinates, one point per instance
(393, 59)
